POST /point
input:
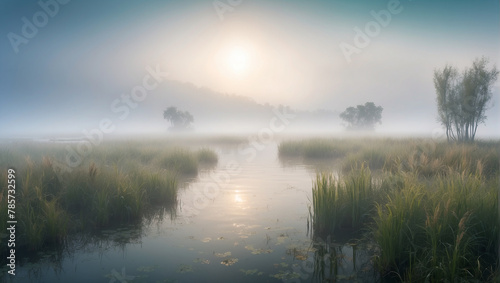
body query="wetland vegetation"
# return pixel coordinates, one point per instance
(118, 183)
(388, 209)
(429, 208)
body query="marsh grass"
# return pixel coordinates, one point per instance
(374, 158)
(180, 161)
(341, 202)
(360, 192)
(326, 210)
(428, 158)
(442, 229)
(432, 211)
(458, 233)
(206, 156)
(393, 224)
(157, 189)
(316, 148)
(55, 220)
(118, 183)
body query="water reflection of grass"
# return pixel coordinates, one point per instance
(333, 262)
(432, 210)
(110, 188)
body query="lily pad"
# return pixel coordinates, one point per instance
(201, 260)
(286, 275)
(258, 251)
(301, 257)
(281, 239)
(185, 268)
(229, 261)
(251, 272)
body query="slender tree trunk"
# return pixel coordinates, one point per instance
(448, 132)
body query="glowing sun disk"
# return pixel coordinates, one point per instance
(238, 60)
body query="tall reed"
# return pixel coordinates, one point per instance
(327, 205)
(441, 229)
(342, 202)
(180, 161)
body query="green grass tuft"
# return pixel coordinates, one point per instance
(206, 156)
(180, 161)
(342, 202)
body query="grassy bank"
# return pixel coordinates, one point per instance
(431, 209)
(424, 157)
(117, 183)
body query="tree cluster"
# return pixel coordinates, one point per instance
(362, 117)
(462, 98)
(180, 120)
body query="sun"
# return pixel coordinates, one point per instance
(238, 60)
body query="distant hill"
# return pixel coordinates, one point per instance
(224, 112)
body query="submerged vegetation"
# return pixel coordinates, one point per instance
(118, 183)
(429, 208)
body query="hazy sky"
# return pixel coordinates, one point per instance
(83, 54)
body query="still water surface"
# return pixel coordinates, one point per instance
(251, 226)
